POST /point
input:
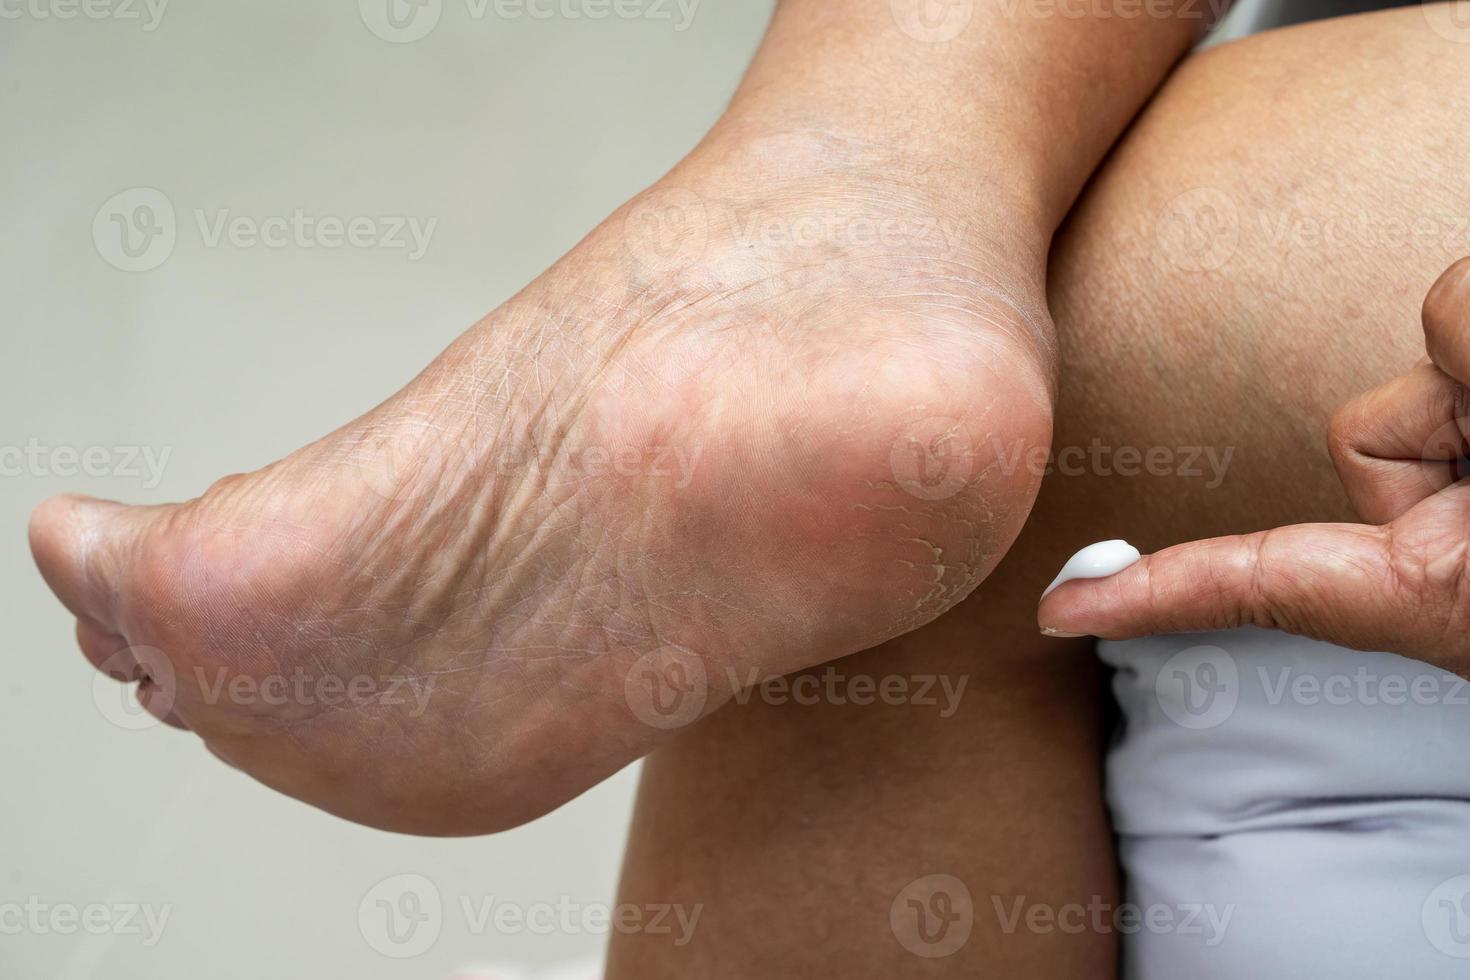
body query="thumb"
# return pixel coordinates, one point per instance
(84, 547)
(1327, 581)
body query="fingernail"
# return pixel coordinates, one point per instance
(1060, 634)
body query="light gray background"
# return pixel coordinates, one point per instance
(517, 135)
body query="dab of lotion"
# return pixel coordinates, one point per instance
(1096, 561)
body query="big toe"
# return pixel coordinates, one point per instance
(83, 547)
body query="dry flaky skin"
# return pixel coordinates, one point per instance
(704, 446)
(830, 811)
(834, 309)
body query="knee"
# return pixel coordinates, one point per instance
(1249, 259)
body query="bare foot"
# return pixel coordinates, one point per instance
(774, 411)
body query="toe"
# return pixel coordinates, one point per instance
(107, 651)
(82, 547)
(158, 700)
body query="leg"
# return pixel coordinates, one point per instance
(1253, 255)
(696, 443)
(674, 451)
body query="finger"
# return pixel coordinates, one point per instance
(1329, 581)
(1447, 322)
(1401, 442)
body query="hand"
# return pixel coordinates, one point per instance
(1399, 583)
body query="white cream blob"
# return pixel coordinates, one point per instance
(1096, 561)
